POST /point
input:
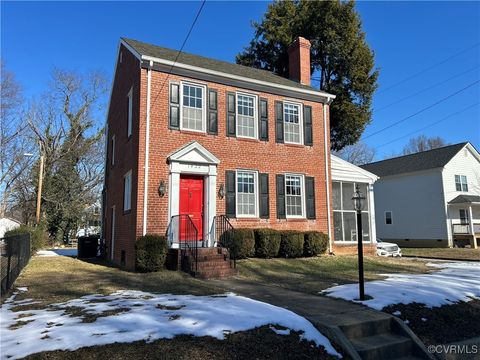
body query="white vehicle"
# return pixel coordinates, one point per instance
(388, 249)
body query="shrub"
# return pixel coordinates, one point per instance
(291, 244)
(267, 243)
(239, 242)
(38, 236)
(315, 243)
(150, 253)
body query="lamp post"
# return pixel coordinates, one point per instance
(358, 204)
(40, 183)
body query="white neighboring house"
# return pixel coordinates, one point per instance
(429, 199)
(7, 224)
(345, 176)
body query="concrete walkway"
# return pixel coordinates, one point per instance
(360, 332)
(318, 309)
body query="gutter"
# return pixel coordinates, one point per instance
(147, 150)
(327, 174)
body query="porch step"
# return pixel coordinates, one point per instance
(217, 257)
(383, 346)
(367, 328)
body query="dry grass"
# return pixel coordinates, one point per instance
(312, 275)
(60, 278)
(444, 253)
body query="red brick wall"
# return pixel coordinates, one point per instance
(126, 158)
(234, 153)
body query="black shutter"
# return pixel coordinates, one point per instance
(174, 108)
(264, 200)
(263, 123)
(307, 126)
(310, 196)
(230, 203)
(281, 214)
(212, 127)
(231, 126)
(278, 121)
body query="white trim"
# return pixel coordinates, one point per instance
(112, 234)
(236, 77)
(255, 115)
(385, 217)
(147, 151)
(113, 150)
(204, 105)
(300, 122)
(128, 175)
(303, 196)
(352, 169)
(130, 112)
(256, 193)
(328, 180)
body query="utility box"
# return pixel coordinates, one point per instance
(88, 246)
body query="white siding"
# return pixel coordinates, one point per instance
(464, 163)
(417, 204)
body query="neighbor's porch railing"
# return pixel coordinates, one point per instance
(464, 229)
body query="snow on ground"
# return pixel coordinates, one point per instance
(127, 316)
(57, 252)
(454, 282)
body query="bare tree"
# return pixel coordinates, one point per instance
(423, 143)
(357, 154)
(13, 143)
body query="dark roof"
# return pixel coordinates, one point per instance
(465, 199)
(424, 160)
(212, 64)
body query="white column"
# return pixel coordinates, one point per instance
(211, 202)
(472, 229)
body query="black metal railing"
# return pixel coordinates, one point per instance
(224, 236)
(181, 229)
(15, 255)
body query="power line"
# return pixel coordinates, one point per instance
(422, 110)
(181, 48)
(428, 68)
(428, 126)
(426, 89)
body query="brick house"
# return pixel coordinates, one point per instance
(202, 138)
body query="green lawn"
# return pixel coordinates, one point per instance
(312, 275)
(444, 253)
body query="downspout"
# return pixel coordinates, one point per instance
(327, 175)
(147, 148)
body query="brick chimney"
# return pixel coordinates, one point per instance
(299, 61)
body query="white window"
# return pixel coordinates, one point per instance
(461, 183)
(246, 116)
(193, 107)
(127, 191)
(130, 103)
(344, 214)
(247, 204)
(113, 150)
(463, 217)
(388, 218)
(292, 117)
(294, 195)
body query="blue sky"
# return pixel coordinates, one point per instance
(425, 51)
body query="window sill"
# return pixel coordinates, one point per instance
(246, 218)
(126, 212)
(246, 139)
(191, 132)
(294, 145)
(298, 219)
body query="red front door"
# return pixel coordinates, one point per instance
(191, 203)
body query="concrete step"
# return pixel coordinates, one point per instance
(215, 273)
(383, 346)
(367, 328)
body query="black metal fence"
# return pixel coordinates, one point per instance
(15, 255)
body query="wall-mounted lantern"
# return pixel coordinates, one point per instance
(221, 192)
(161, 188)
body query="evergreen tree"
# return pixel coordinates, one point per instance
(340, 55)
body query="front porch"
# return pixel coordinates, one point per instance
(464, 217)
